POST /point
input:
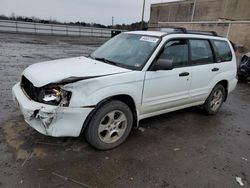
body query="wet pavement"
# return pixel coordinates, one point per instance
(180, 149)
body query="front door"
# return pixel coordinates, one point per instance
(166, 89)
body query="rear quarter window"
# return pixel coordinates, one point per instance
(223, 50)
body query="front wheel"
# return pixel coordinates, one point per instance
(215, 100)
(109, 126)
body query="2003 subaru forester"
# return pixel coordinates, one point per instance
(133, 76)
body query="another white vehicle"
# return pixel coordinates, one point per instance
(133, 76)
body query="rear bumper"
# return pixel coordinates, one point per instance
(232, 85)
(50, 120)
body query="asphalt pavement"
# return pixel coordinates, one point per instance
(180, 149)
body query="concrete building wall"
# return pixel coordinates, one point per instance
(239, 33)
(171, 12)
(237, 9)
(205, 10)
(209, 10)
(208, 16)
(236, 32)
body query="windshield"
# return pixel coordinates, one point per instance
(127, 50)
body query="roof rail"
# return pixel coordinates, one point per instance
(168, 29)
(171, 30)
(213, 33)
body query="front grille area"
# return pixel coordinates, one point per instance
(33, 92)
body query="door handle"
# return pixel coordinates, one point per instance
(184, 74)
(215, 69)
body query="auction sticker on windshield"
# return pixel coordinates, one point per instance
(149, 39)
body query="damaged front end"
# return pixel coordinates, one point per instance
(45, 117)
(47, 109)
(51, 94)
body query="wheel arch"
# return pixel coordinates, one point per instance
(127, 99)
(224, 83)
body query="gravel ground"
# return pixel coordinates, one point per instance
(180, 149)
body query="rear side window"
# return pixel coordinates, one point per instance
(223, 51)
(201, 52)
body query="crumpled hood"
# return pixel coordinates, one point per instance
(44, 73)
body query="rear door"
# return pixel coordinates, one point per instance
(204, 68)
(225, 58)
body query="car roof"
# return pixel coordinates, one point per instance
(188, 33)
(150, 33)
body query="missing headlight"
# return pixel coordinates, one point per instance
(65, 97)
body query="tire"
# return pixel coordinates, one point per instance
(110, 125)
(215, 100)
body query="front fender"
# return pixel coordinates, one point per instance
(91, 92)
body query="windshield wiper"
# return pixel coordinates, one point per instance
(105, 60)
(90, 56)
(102, 59)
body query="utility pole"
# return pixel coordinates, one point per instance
(192, 18)
(142, 18)
(112, 21)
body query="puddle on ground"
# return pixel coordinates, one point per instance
(13, 134)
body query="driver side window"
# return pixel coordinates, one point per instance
(176, 51)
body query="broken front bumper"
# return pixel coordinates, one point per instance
(50, 120)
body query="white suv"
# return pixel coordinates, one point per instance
(133, 76)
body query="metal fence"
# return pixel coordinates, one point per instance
(54, 29)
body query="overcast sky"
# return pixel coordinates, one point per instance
(98, 11)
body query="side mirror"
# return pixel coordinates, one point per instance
(163, 64)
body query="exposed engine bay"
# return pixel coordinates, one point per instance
(51, 94)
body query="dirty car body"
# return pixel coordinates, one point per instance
(63, 97)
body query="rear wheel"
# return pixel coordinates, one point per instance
(110, 125)
(215, 100)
